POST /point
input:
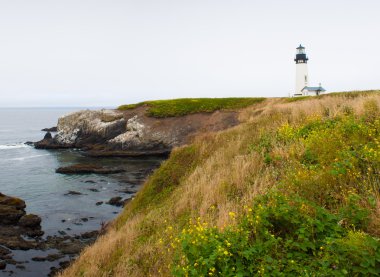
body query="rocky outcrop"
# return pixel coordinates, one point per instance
(51, 129)
(11, 210)
(131, 132)
(21, 231)
(88, 169)
(85, 128)
(13, 216)
(15, 225)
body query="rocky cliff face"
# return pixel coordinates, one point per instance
(131, 133)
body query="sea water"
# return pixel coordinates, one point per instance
(29, 174)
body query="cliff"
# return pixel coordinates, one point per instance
(132, 132)
(292, 190)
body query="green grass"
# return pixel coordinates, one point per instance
(185, 106)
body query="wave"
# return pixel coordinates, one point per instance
(13, 146)
(28, 157)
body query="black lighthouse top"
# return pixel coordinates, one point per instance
(301, 55)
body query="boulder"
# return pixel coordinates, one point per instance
(11, 209)
(48, 136)
(115, 201)
(12, 201)
(30, 221)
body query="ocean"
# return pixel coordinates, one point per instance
(29, 174)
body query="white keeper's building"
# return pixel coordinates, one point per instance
(302, 76)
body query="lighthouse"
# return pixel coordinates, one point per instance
(302, 75)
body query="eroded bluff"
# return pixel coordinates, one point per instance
(132, 132)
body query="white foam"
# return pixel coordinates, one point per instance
(13, 146)
(28, 157)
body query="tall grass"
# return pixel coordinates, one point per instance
(221, 174)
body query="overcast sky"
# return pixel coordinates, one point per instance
(106, 53)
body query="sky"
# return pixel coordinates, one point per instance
(111, 52)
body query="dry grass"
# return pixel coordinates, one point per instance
(225, 177)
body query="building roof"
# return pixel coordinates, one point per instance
(300, 47)
(313, 88)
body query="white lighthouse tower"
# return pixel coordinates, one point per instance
(302, 75)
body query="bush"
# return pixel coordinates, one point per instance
(277, 237)
(335, 157)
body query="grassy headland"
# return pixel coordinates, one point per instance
(181, 107)
(292, 191)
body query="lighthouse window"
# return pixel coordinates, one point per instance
(305, 78)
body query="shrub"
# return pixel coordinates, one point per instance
(278, 236)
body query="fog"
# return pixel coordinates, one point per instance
(107, 53)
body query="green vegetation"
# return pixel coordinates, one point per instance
(314, 222)
(180, 107)
(292, 191)
(279, 236)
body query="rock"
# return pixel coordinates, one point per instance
(89, 127)
(93, 190)
(12, 201)
(34, 233)
(90, 235)
(31, 225)
(11, 209)
(30, 221)
(84, 219)
(16, 242)
(52, 129)
(10, 215)
(99, 203)
(49, 143)
(3, 265)
(71, 248)
(15, 225)
(64, 264)
(48, 136)
(115, 201)
(90, 181)
(54, 257)
(88, 169)
(39, 259)
(132, 133)
(72, 192)
(4, 252)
